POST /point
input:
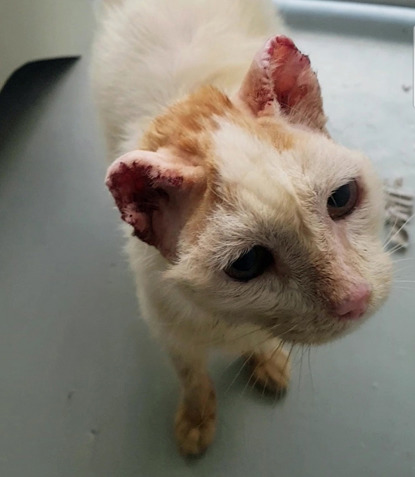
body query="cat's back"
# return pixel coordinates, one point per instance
(147, 53)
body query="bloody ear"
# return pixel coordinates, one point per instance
(155, 194)
(281, 81)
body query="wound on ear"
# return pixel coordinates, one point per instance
(288, 68)
(155, 193)
(138, 191)
(281, 81)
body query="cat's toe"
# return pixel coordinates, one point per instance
(194, 435)
(271, 372)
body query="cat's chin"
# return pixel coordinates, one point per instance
(332, 330)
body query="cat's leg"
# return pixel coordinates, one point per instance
(270, 368)
(195, 420)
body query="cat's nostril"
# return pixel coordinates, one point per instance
(355, 305)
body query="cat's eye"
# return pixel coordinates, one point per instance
(250, 265)
(343, 200)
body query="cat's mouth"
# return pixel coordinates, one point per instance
(317, 329)
(318, 336)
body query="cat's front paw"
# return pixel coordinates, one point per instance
(195, 428)
(271, 372)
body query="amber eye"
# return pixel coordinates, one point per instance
(343, 200)
(250, 265)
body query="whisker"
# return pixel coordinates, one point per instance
(237, 338)
(404, 260)
(232, 362)
(395, 249)
(246, 361)
(248, 382)
(278, 347)
(309, 368)
(389, 236)
(301, 364)
(404, 290)
(263, 389)
(400, 228)
(404, 269)
(289, 356)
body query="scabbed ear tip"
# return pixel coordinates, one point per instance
(279, 42)
(117, 173)
(282, 48)
(281, 81)
(113, 169)
(285, 41)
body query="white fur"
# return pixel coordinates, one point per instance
(142, 62)
(148, 53)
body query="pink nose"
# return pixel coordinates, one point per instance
(355, 305)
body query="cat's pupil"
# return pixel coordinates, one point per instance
(340, 197)
(250, 265)
(246, 262)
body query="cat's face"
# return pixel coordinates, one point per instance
(263, 217)
(275, 250)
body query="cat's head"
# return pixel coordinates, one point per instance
(263, 218)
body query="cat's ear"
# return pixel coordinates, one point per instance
(280, 81)
(155, 193)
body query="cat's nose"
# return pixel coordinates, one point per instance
(355, 305)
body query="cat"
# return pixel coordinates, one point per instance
(247, 226)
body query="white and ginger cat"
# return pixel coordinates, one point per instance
(247, 225)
